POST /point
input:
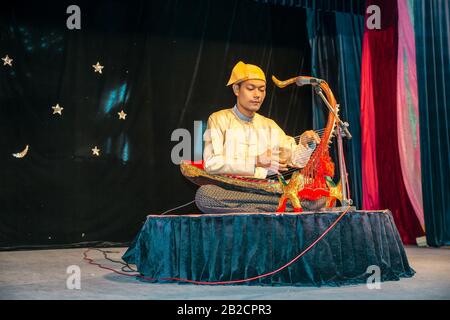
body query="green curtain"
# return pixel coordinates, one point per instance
(432, 29)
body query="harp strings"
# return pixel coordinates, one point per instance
(300, 155)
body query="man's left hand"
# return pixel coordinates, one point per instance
(309, 136)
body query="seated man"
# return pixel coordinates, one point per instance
(239, 141)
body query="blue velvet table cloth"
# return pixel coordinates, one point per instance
(221, 247)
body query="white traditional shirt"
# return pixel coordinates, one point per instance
(233, 142)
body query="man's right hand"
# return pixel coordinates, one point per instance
(272, 161)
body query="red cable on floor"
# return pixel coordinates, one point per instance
(91, 261)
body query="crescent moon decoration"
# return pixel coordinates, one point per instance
(22, 153)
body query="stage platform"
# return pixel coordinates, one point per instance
(228, 247)
(41, 274)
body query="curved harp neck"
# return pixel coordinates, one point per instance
(285, 83)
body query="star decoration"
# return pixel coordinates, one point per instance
(97, 67)
(7, 61)
(57, 109)
(95, 151)
(122, 115)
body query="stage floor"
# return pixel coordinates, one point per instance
(41, 274)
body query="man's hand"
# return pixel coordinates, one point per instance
(309, 136)
(285, 155)
(272, 160)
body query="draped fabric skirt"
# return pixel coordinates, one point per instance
(223, 247)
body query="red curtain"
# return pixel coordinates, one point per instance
(383, 185)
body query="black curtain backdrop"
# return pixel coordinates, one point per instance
(346, 6)
(166, 64)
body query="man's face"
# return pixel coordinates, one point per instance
(250, 94)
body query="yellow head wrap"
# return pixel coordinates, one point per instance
(243, 71)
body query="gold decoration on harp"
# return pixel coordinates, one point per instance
(200, 177)
(313, 181)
